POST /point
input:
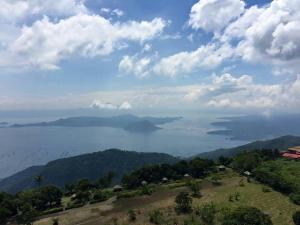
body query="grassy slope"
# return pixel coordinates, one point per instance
(275, 204)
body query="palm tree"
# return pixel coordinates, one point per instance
(39, 179)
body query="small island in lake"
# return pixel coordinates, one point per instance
(127, 122)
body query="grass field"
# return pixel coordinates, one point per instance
(115, 211)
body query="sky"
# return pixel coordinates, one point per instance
(150, 55)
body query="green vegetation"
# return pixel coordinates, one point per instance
(227, 197)
(296, 218)
(112, 163)
(246, 216)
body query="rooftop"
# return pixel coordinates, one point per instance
(296, 148)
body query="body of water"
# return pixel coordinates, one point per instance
(24, 147)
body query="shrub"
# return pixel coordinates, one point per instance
(246, 216)
(51, 211)
(55, 221)
(131, 215)
(183, 203)
(296, 218)
(195, 188)
(295, 198)
(145, 190)
(207, 212)
(156, 217)
(266, 189)
(72, 205)
(100, 196)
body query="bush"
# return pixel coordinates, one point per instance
(100, 196)
(72, 205)
(145, 190)
(296, 218)
(183, 203)
(55, 221)
(246, 216)
(156, 217)
(195, 188)
(207, 212)
(51, 211)
(295, 198)
(266, 189)
(131, 215)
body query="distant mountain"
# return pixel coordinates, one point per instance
(92, 166)
(257, 127)
(127, 122)
(4, 124)
(281, 143)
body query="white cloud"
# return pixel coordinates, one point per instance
(46, 43)
(125, 106)
(135, 66)
(15, 11)
(274, 35)
(99, 104)
(214, 15)
(205, 57)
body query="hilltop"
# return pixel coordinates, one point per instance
(281, 143)
(91, 166)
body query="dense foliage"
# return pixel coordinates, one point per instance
(154, 174)
(282, 175)
(246, 216)
(92, 166)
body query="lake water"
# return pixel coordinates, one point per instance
(24, 147)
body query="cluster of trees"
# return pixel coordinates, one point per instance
(236, 216)
(28, 204)
(197, 168)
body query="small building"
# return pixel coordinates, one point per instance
(164, 180)
(247, 173)
(187, 176)
(117, 188)
(221, 168)
(144, 183)
(292, 153)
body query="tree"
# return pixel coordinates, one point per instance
(99, 196)
(195, 188)
(296, 218)
(295, 198)
(51, 195)
(207, 213)
(224, 160)
(246, 216)
(83, 185)
(27, 215)
(39, 180)
(183, 203)
(8, 207)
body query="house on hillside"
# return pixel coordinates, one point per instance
(292, 153)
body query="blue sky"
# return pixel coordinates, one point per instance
(132, 55)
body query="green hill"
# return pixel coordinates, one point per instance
(281, 143)
(92, 166)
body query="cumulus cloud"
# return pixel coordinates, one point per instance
(99, 104)
(46, 43)
(15, 11)
(132, 65)
(214, 15)
(274, 35)
(205, 57)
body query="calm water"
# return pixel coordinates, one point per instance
(24, 147)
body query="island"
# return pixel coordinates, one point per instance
(127, 122)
